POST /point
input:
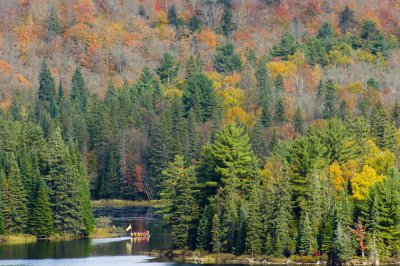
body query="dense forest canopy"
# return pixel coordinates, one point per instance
(265, 127)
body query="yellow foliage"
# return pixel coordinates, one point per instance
(336, 177)
(284, 68)
(299, 59)
(171, 92)
(349, 168)
(161, 19)
(236, 113)
(363, 181)
(232, 97)
(365, 56)
(355, 87)
(232, 80)
(208, 37)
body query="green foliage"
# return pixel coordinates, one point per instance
(226, 60)
(79, 93)
(306, 237)
(227, 25)
(216, 233)
(41, 219)
(298, 121)
(343, 245)
(316, 52)
(287, 46)
(279, 116)
(200, 97)
(330, 100)
(383, 128)
(195, 23)
(346, 20)
(172, 15)
(53, 24)
(253, 224)
(168, 69)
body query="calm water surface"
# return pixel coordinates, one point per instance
(106, 251)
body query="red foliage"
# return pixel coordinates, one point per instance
(138, 173)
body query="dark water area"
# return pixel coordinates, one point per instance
(106, 251)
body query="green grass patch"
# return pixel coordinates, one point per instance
(123, 203)
(17, 239)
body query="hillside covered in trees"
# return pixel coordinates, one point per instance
(266, 127)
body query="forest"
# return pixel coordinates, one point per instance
(264, 127)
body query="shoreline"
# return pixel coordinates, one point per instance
(117, 203)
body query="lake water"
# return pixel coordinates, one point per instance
(106, 251)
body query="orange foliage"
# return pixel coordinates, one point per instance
(84, 11)
(134, 40)
(208, 37)
(5, 67)
(138, 173)
(21, 78)
(243, 38)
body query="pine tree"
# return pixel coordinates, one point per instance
(200, 97)
(233, 156)
(279, 116)
(194, 64)
(172, 15)
(396, 114)
(287, 46)
(79, 92)
(266, 116)
(327, 234)
(216, 233)
(346, 20)
(227, 25)
(343, 246)
(16, 201)
(53, 24)
(204, 232)
(192, 144)
(41, 220)
(60, 95)
(382, 128)
(330, 99)
(306, 238)
(226, 60)
(253, 224)
(298, 121)
(168, 68)
(47, 89)
(279, 88)
(181, 208)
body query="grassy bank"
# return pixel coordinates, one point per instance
(123, 203)
(17, 239)
(105, 233)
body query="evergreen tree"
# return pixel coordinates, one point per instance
(287, 46)
(298, 121)
(253, 224)
(227, 25)
(279, 116)
(346, 20)
(396, 114)
(316, 52)
(330, 99)
(168, 69)
(279, 88)
(79, 93)
(266, 115)
(233, 156)
(200, 97)
(343, 246)
(142, 12)
(53, 24)
(226, 60)
(195, 23)
(326, 35)
(327, 234)
(60, 95)
(382, 128)
(306, 238)
(216, 233)
(194, 64)
(204, 233)
(41, 219)
(15, 197)
(172, 15)
(181, 208)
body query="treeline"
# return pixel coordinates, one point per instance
(333, 191)
(43, 186)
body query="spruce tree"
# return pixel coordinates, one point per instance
(41, 219)
(53, 24)
(330, 100)
(204, 232)
(382, 128)
(279, 88)
(396, 114)
(346, 20)
(172, 15)
(227, 25)
(168, 68)
(216, 233)
(142, 12)
(279, 116)
(194, 64)
(16, 200)
(79, 92)
(306, 237)
(287, 46)
(298, 121)
(226, 60)
(253, 224)
(47, 88)
(266, 116)
(343, 245)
